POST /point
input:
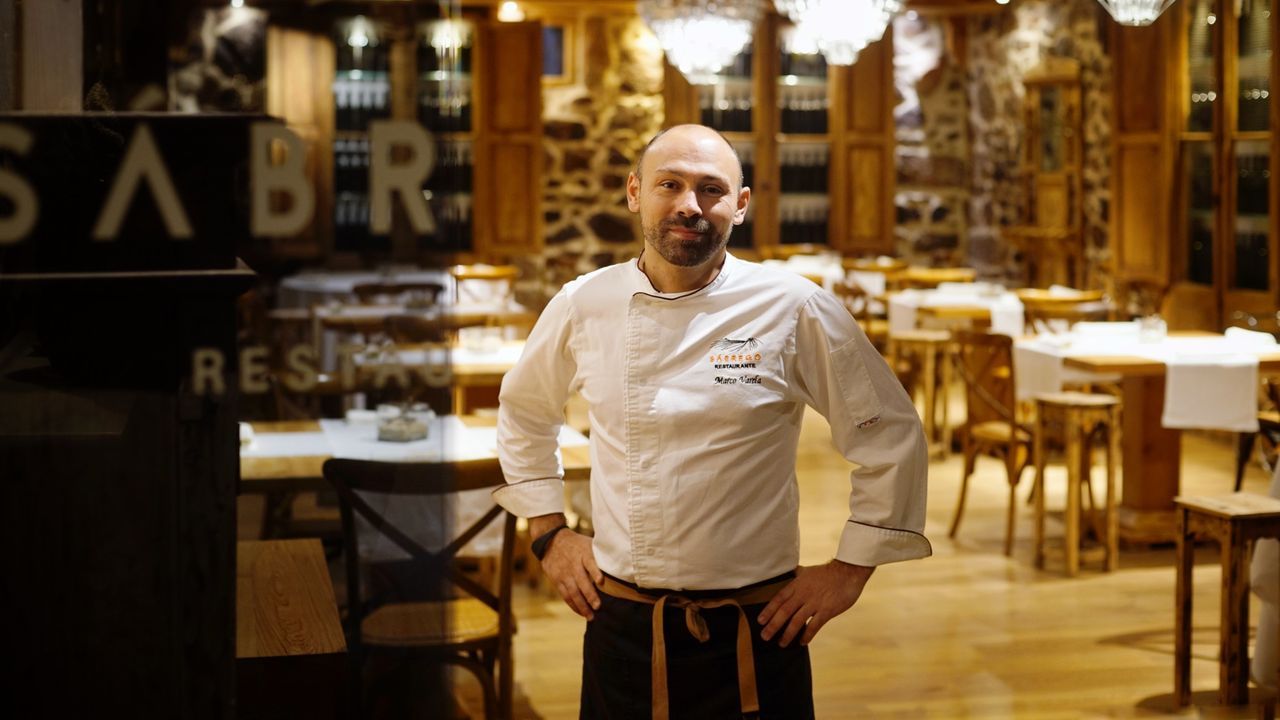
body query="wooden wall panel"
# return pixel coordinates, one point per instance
(1140, 67)
(863, 171)
(866, 196)
(513, 225)
(1141, 245)
(1143, 151)
(514, 84)
(871, 98)
(679, 97)
(506, 206)
(304, 101)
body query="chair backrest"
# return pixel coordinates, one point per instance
(1048, 315)
(985, 363)
(470, 281)
(355, 479)
(369, 293)
(854, 298)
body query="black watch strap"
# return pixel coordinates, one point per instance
(539, 546)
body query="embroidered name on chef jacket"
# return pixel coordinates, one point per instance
(735, 354)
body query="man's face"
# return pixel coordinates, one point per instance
(688, 196)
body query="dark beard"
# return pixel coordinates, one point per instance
(686, 253)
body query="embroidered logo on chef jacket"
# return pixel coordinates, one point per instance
(730, 356)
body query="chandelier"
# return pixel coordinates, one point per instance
(1136, 12)
(701, 37)
(840, 29)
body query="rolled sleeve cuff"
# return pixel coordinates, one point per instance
(870, 545)
(532, 498)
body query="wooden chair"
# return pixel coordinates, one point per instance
(1235, 521)
(1084, 417)
(1051, 315)
(470, 627)
(985, 362)
(856, 300)
(488, 273)
(923, 357)
(1268, 429)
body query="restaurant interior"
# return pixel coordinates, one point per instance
(259, 256)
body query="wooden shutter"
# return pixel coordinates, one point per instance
(863, 170)
(508, 141)
(1143, 151)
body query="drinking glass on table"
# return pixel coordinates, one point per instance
(1152, 329)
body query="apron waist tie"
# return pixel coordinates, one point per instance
(697, 626)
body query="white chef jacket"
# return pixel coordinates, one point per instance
(695, 402)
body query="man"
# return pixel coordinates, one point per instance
(696, 368)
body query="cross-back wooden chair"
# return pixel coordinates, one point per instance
(472, 626)
(1062, 315)
(486, 273)
(985, 362)
(858, 302)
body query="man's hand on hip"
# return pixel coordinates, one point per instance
(571, 565)
(818, 594)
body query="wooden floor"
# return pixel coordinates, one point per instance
(967, 633)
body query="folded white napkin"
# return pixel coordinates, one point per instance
(1214, 392)
(1250, 338)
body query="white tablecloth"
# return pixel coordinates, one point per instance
(1211, 382)
(1007, 312)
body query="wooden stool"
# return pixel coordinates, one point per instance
(1082, 413)
(1235, 521)
(933, 347)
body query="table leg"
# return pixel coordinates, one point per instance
(1233, 663)
(1150, 460)
(930, 391)
(1182, 615)
(1038, 488)
(1074, 485)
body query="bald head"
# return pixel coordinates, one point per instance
(690, 134)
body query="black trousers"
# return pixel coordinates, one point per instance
(702, 678)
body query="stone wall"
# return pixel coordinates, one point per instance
(1002, 48)
(932, 145)
(594, 129)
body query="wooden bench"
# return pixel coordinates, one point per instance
(290, 648)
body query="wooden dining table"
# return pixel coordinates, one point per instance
(303, 473)
(1151, 453)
